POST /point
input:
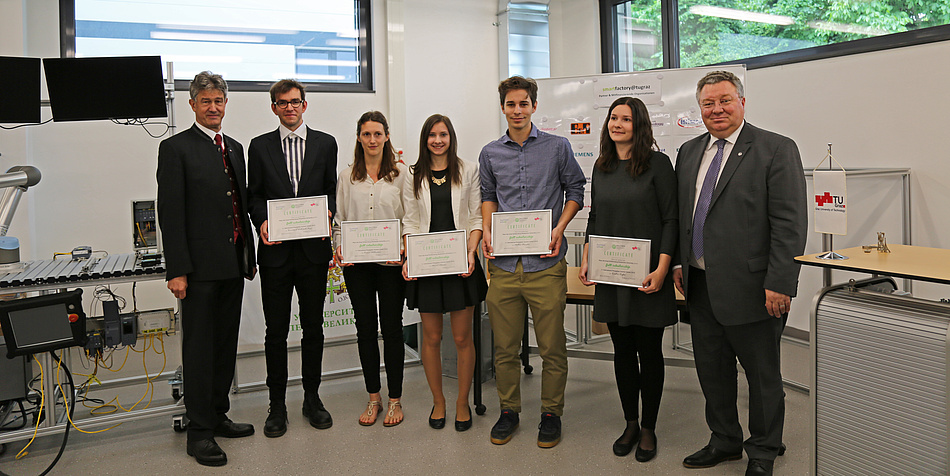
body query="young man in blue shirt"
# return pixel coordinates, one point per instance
(527, 169)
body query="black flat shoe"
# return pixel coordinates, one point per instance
(623, 449)
(464, 425)
(436, 423)
(643, 455)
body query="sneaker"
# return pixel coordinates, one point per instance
(505, 427)
(549, 430)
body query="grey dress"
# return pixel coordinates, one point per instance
(643, 207)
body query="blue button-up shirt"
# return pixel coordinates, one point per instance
(536, 176)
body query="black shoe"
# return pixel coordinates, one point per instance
(643, 455)
(549, 430)
(436, 423)
(464, 425)
(314, 410)
(505, 427)
(623, 449)
(781, 451)
(759, 467)
(207, 452)
(276, 423)
(709, 457)
(229, 429)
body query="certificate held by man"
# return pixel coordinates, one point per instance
(521, 233)
(436, 254)
(298, 218)
(370, 241)
(618, 261)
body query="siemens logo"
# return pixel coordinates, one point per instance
(583, 154)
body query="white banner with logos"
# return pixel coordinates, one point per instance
(831, 202)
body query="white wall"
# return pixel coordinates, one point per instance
(92, 170)
(451, 67)
(881, 109)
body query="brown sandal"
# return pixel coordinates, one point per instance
(393, 404)
(372, 411)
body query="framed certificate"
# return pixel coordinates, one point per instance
(436, 254)
(370, 241)
(619, 261)
(521, 233)
(298, 218)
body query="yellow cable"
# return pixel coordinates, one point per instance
(23, 452)
(148, 387)
(66, 404)
(109, 368)
(141, 235)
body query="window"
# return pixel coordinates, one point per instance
(252, 43)
(528, 39)
(644, 34)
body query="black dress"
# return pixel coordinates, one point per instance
(441, 294)
(636, 207)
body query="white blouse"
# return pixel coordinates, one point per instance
(368, 200)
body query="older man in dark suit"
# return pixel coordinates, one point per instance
(292, 161)
(742, 221)
(202, 203)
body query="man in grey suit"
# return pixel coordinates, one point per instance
(742, 221)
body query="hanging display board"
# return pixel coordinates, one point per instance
(576, 107)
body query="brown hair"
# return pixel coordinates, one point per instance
(387, 169)
(422, 169)
(518, 82)
(643, 141)
(284, 86)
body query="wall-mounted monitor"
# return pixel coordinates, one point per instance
(120, 87)
(19, 90)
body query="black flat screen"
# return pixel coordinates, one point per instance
(122, 87)
(19, 90)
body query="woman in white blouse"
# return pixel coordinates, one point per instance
(444, 194)
(370, 189)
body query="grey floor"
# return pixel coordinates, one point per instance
(591, 422)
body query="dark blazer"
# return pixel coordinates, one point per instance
(755, 226)
(194, 208)
(268, 179)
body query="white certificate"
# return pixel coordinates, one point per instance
(521, 233)
(370, 241)
(298, 218)
(436, 254)
(619, 261)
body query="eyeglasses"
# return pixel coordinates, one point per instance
(723, 103)
(293, 102)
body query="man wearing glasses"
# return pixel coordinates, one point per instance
(202, 210)
(742, 221)
(292, 161)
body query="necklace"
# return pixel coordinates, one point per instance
(438, 181)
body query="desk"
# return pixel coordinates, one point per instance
(904, 261)
(881, 367)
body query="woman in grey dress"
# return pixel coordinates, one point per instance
(633, 195)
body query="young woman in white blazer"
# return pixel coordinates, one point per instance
(443, 194)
